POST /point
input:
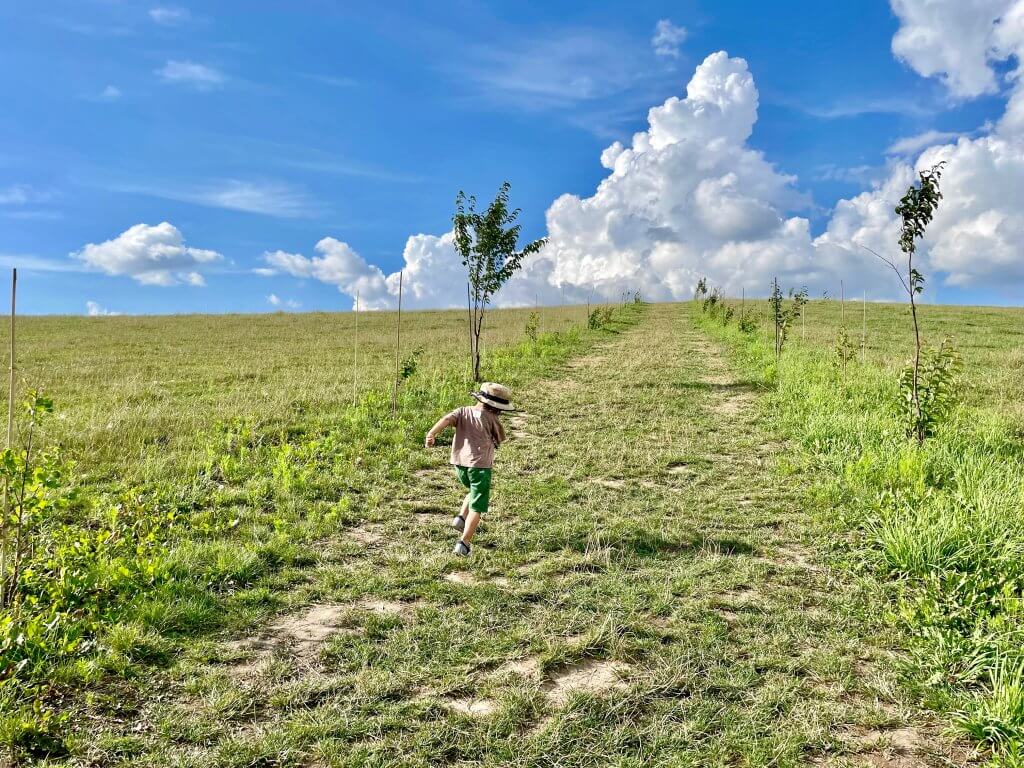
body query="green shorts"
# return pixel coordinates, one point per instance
(478, 480)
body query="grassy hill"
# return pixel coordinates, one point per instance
(696, 555)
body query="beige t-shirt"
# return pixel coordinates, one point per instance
(477, 434)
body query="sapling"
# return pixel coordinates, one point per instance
(845, 350)
(532, 325)
(30, 475)
(916, 210)
(488, 245)
(782, 315)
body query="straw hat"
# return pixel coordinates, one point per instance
(495, 395)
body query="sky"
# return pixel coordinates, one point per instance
(262, 156)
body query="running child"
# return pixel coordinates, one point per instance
(478, 432)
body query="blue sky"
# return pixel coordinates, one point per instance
(255, 127)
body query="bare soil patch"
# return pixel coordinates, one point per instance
(464, 578)
(383, 607)
(299, 634)
(792, 556)
(527, 668)
(368, 535)
(590, 676)
(472, 707)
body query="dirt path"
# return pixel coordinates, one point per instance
(643, 593)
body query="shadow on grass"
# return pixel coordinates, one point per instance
(646, 544)
(745, 385)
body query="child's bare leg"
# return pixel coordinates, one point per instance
(465, 507)
(472, 521)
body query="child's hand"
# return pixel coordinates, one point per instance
(429, 442)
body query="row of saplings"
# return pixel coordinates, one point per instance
(929, 383)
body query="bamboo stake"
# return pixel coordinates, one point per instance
(10, 431)
(398, 348)
(864, 327)
(355, 354)
(469, 317)
(842, 304)
(743, 302)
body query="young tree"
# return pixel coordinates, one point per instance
(916, 209)
(782, 315)
(488, 245)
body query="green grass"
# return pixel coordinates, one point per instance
(940, 526)
(262, 569)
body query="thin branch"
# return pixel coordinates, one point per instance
(891, 264)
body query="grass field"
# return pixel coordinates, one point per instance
(133, 392)
(694, 557)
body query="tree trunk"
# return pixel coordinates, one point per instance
(469, 317)
(478, 327)
(915, 396)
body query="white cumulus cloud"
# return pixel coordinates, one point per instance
(338, 265)
(151, 255)
(954, 40)
(110, 93)
(687, 198)
(432, 273)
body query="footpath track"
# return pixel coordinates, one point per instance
(646, 590)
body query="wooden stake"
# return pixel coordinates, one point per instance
(10, 432)
(864, 327)
(355, 355)
(743, 302)
(842, 304)
(10, 390)
(398, 348)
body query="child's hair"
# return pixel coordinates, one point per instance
(490, 408)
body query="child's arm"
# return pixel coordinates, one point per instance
(498, 434)
(442, 424)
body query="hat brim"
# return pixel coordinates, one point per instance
(483, 398)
